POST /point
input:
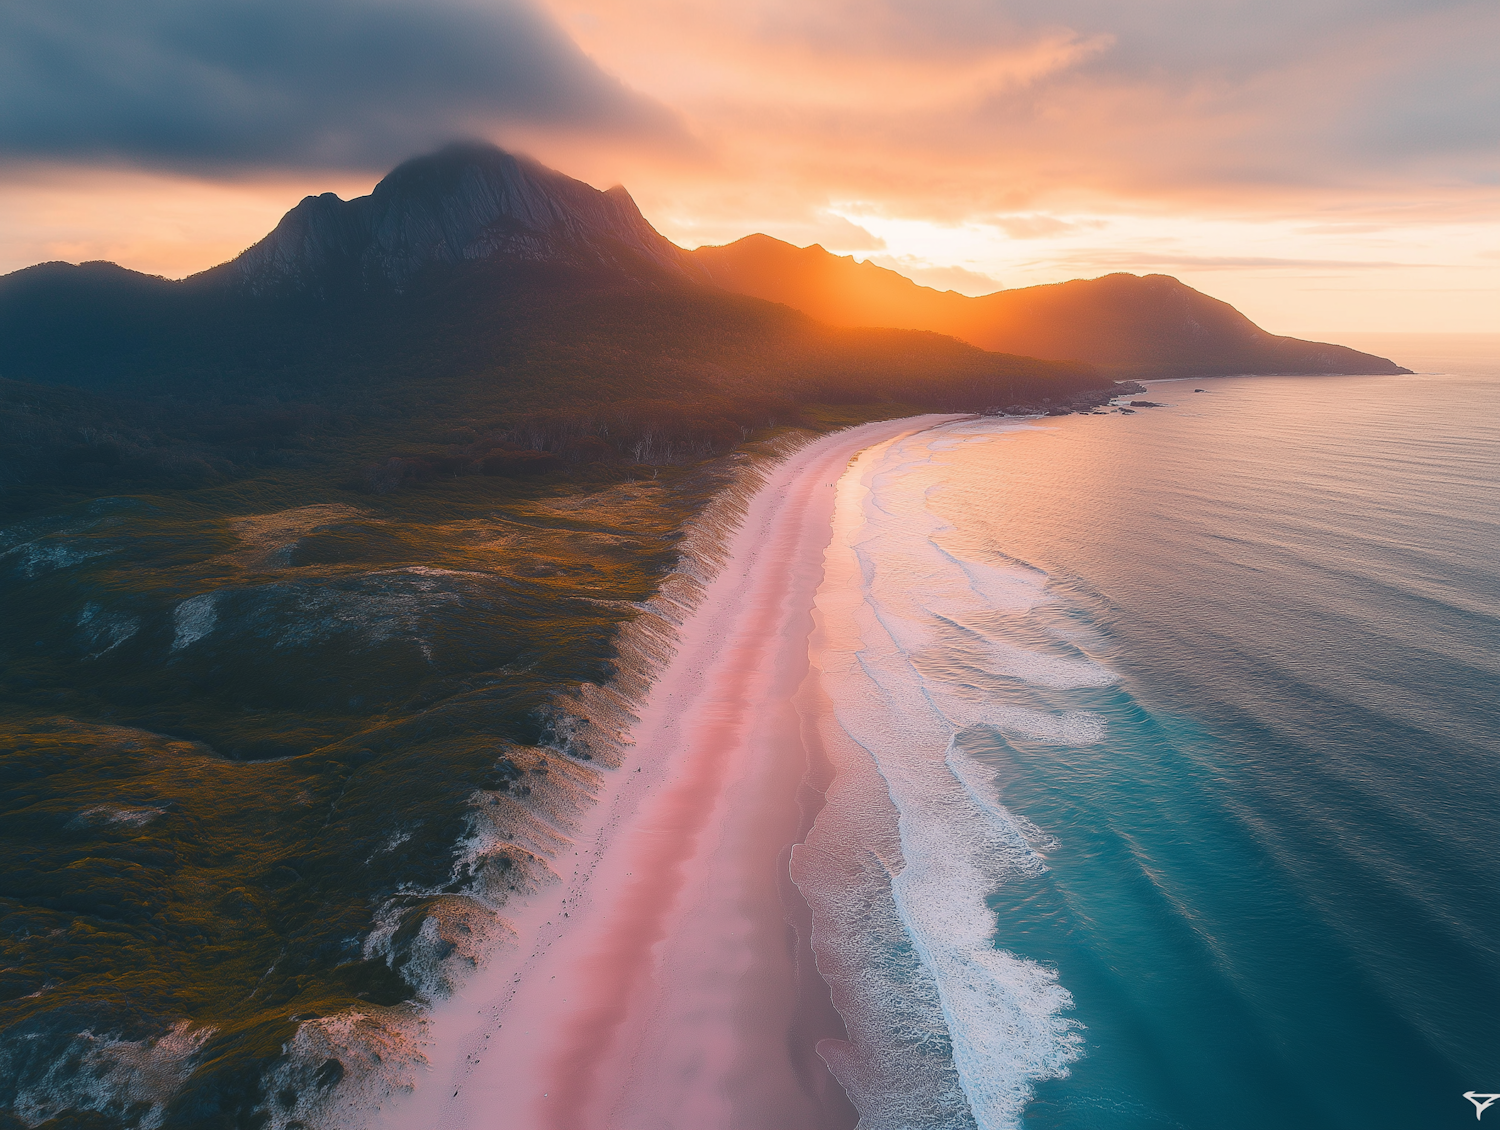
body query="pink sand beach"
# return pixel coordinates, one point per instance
(668, 981)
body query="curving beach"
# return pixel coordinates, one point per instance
(668, 981)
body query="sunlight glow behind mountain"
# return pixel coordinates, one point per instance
(1330, 168)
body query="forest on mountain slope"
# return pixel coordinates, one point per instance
(113, 379)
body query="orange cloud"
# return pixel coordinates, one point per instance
(1018, 140)
(950, 110)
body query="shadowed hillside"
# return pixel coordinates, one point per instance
(116, 380)
(1127, 326)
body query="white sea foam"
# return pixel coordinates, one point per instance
(903, 697)
(1043, 670)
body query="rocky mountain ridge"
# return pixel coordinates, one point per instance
(463, 203)
(435, 218)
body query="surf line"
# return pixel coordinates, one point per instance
(668, 995)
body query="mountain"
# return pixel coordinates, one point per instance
(464, 203)
(470, 279)
(1126, 325)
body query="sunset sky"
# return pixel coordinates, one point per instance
(1329, 166)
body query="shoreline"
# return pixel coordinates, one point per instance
(668, 980)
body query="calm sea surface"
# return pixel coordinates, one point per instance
(1271, 880)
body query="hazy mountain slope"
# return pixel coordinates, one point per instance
(832, 288)
(1126, 325)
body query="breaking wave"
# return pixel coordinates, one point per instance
(940, 635)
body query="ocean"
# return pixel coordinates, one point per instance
(1188, 723)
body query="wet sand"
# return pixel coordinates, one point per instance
(668, 982)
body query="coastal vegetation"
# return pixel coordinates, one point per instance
(113, 379)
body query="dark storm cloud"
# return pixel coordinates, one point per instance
(336, 83)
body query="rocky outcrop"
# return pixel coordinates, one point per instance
(1083, 401)
(464, 203)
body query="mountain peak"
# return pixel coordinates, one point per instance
(468, 201)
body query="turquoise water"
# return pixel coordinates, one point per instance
(1275, 897)
(1264, 622)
